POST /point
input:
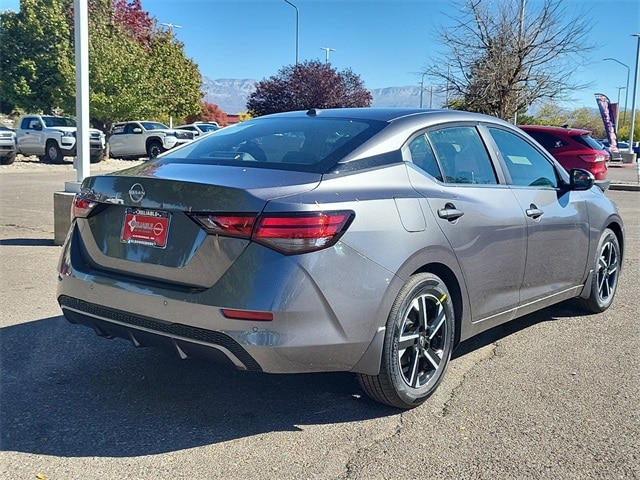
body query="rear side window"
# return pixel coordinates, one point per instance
(462, 155)
(526, 165)
(303, 143)
(422, 156)
(548, 140)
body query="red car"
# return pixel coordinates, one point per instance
(573, 148)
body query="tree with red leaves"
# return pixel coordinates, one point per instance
(210, 113)
(135, 21)
(312, 84)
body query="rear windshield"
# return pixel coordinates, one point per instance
(308, 144)
(587, 140)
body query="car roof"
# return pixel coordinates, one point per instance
(552, 129)
(386, 114)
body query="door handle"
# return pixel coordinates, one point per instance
(450, 212)
(534, 212)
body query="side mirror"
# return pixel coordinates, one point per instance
(581, 179)
(37, 126)
(137, 130)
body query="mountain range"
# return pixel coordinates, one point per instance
(231, 95)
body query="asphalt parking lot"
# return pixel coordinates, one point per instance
(553, 395)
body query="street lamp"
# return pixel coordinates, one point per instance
(327, 50)
(297, 28)
(626, 92)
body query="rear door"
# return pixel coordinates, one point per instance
(480, 218)
(557, 219)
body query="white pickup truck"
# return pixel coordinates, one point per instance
(52, 138)
(144, 139)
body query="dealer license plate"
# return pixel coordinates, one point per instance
(145, 227)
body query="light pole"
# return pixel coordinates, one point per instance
(634, 98)
(421, 88)
(327, 50)
(297, 28)
(626, 92)
(618, 109)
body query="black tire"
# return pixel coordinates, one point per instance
(606, 270)
(96, 158)
(154, 148)
(52, 152)
(8, 160)
(418, 342)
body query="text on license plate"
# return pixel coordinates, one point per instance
(146, 227)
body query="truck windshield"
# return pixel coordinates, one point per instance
(59, 121)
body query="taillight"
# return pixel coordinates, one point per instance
(82, 206)
(593, 158)
(227, 225)
(289, 233)
(301, 233)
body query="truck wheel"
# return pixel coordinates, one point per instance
(96, 158)
(52, 152)
(8, 160)
(154, 149)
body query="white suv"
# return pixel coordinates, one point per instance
(144, 139)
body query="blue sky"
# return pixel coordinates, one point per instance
(387, 42)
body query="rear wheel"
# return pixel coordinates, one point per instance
(8, 160)
(418, 343)
(604, 281)
(96, 158)
(154, 149)
(52, 152)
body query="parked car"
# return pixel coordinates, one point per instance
(144, 139)
(200, 128)
(7, 145)
(573, 148)
(365, 240)
(52, 138)
(623, 147)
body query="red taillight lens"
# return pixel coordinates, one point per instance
(247, 315)
(286, 233)
(228, 225)
(300, 233)
(82, 207)
(593, 158)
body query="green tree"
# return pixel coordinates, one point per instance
(136, 70)
(177, 80)
(311, 84)
(38, 71)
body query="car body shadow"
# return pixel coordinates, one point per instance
(67, 392)
(27, 242)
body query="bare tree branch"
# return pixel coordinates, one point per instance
(500, 57)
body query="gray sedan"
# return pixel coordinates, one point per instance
(365, 240)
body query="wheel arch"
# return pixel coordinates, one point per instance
(153, 139)
(616, 227)
(455, 290)
(369, 363)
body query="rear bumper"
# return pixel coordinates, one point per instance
(316, 327)
(186, 341)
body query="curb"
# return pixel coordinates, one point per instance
(628, 187)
